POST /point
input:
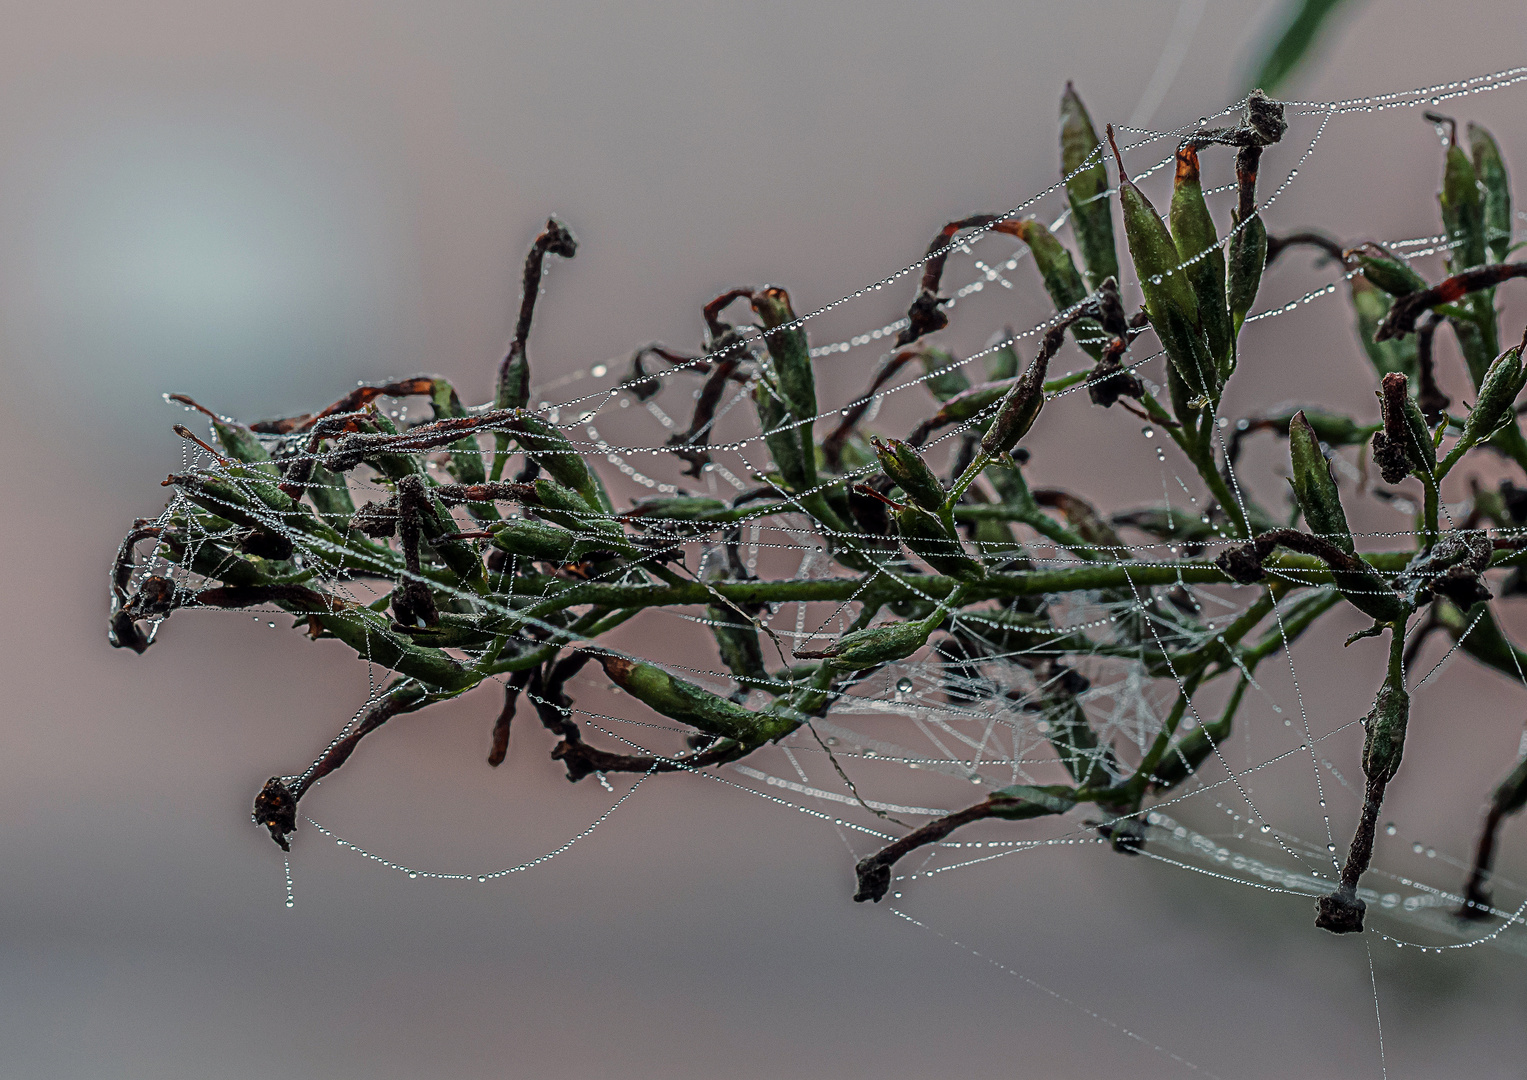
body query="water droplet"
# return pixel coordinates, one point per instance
(1330, 847)
(1149, 433)
(412, 875)
(1267, 828)
(1417, 848)
(903, 685)
(599, 371)
(1431, 853)
(1390, 830)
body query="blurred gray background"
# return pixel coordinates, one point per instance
(259, 204)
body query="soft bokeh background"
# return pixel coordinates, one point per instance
(259, 204)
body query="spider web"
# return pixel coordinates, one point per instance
(1269, 810)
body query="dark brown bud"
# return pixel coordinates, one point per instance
(1242, 564)
(1110, 380)
(413, 604)
(1390, 457)
(377, 520)
(276, 808)
(267, 545)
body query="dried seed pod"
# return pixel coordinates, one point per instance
(1197, 243)
(904, 465)
(1081, 164)
(378, 519)
(1110, 380)
(1491, 171)
(513, 389)
(413, 604)
(1390, 457)
(1405, 428)
(276, 809)
(1451, 568)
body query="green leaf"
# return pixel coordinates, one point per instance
(1302, 30)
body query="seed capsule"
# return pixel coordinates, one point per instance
(1315, 489)
(781, 437)
(792, 365)
(945, 379)
(924, 534)
(1393, 354)
(538, 540)
(1404, 426)
(1197, 244)
(1248, 245)
(1081, 163)
(904, 465)
(1314, 486)
(1169, 298)
(1061, 280)
(683, 701)
(1462, 209)
(549, 448)
(1497, 391)
(1491, 171)
(1019, 409)
(877, 645)
(1393, 276)
(1384, 744)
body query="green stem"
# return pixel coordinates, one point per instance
(1200, 453)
